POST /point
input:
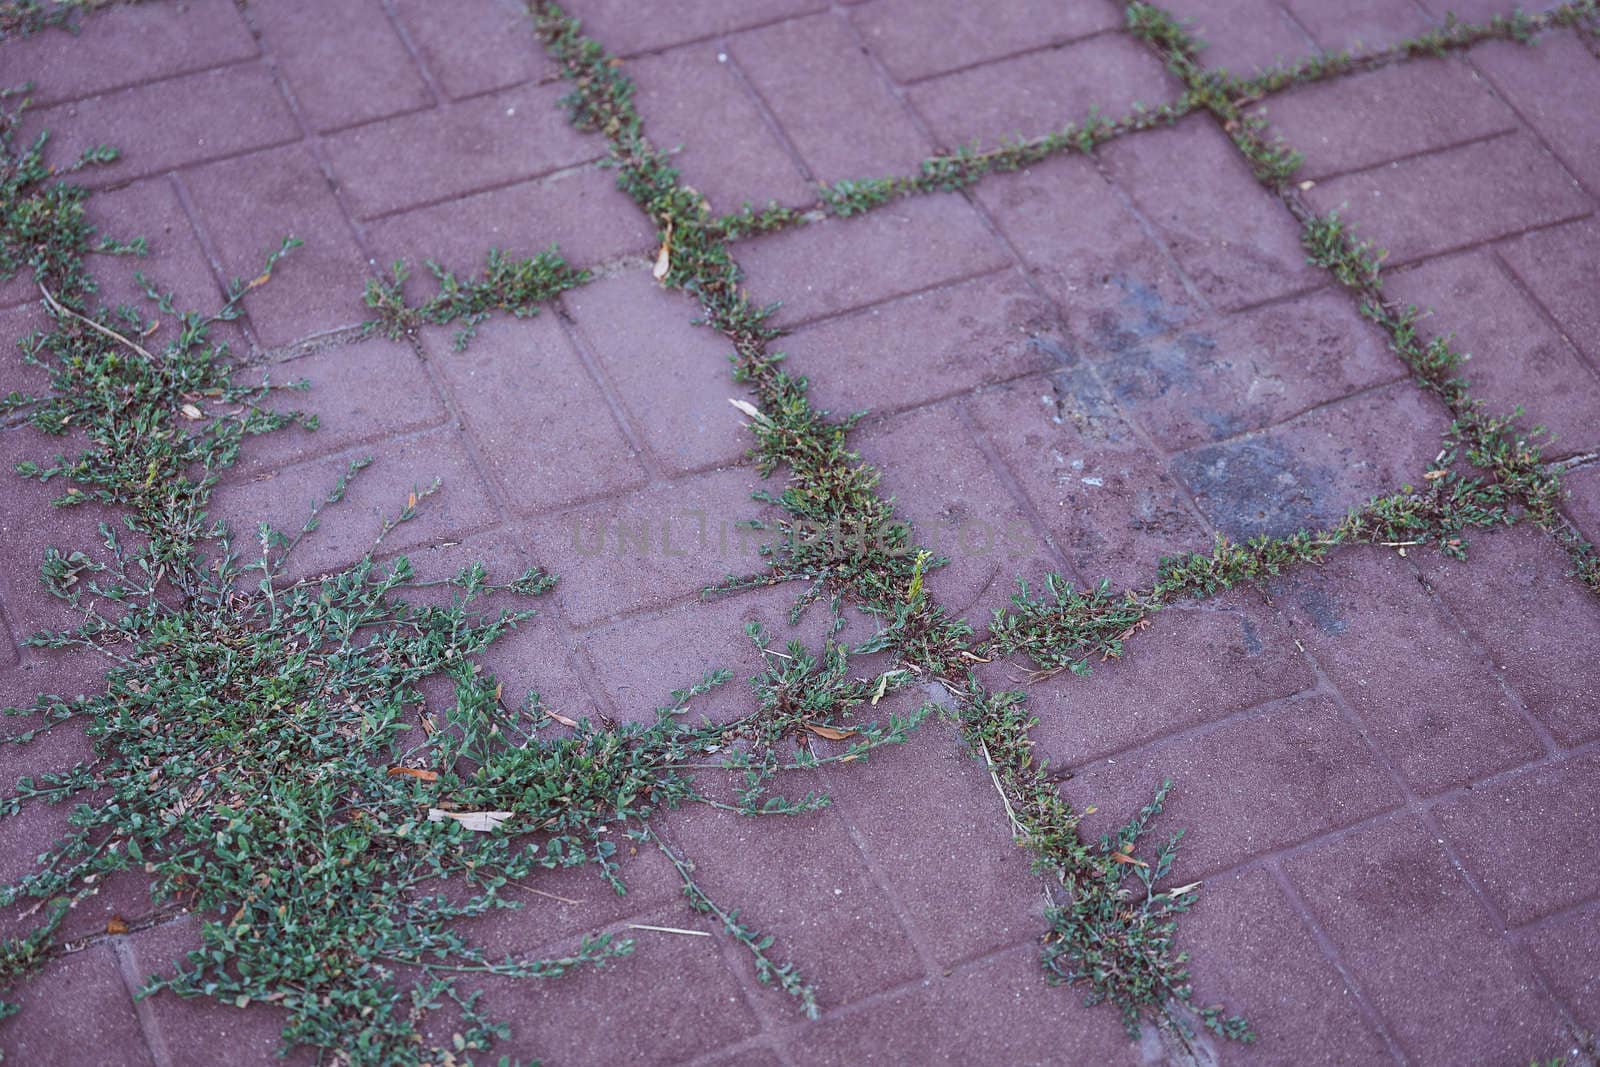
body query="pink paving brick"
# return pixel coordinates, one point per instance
(1518, 357)
(896, 31)
(829, 100)
(1163, 684)
(1105, 497)
(1455, 197)
(1525, 609)
(1085, 246)
(1410, 929)
(103, 1015)
(1041, 92)
(1217, 378)
(1555, 87)
(1584, 503)
(1424, 694)
(443, 152)
(1394, 111)
(1301, 753)
(721, 143)
(960, 336)
(580, 211)
(616, 22)
(671, 375)
(129, 45)
(1524, 836)
(1360, 25)
(833, 266)
(473, 46)
(1243, 35)
(522, 391)
(205, 116)
(1562, 268)
(1241, 254)
(247, 206)
(175, 263)
(343, 60)
(1565, 951)
(1313, 470)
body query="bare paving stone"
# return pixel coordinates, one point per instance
(834, 266)
(1041, 92)
(204, 116)
(1455, 198)
(721, 142)
(1525, 610)
(473, 46)
(343, 60)
(1313, 470)
(1391, 884)
(1584, 504)
(1360, 24)
(1517, 356)
(1553, 87)
(1232, 237)
(1566, 952)
(830, 101)
(1374, 117)
(1425, 696)
(1243, 36)
(617, 23)
(102, 1015)
(248, 205)
(1562, 267)
(896, 31)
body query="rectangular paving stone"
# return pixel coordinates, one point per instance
(1229, 234)
(1249, 949)
(1555, 87)
(958, 505)
(203, 116)
(1422, 947)
(1515, 595)
(803, 881)
(1481, 10)
(995, 1010)
(654, 546)
(1192, 665)
(1372, 117)
(1425, 696)
(1042, 91)
(897, 31)
(923, 347)
(247, 206)
(125, 45)
(176, 263)
(927, 815)
(1243, 35)
(1360, 25)
(1454, 198)
(474, 46)
(1583, 506)
(346, 531)
(830, 101)
(444, 152)
(1217, 378)
(672, 377)
(342, 397)
(1561, 267)
(342, 59)
(1310, 472)
(840, 264)
(618, 25)
(75, 1004)
(1526, 836)
(1246, 786)
(1517, 357)
(696, 106)
(1567, 950)
(545, 428)
(1107, 500)
(1086, 248)
(580, 211)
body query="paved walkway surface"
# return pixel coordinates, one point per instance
(1386, 765)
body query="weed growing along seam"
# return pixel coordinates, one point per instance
(263, 754)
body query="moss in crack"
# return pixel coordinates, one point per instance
(520, 286)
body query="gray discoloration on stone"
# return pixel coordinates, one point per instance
(1255, 486)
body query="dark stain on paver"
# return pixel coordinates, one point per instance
(1252, 639)
(1323, 610)
(1256, 486)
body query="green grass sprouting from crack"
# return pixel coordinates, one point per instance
(1510, 457)
(520, 286)
(22, 18)
(259, 753)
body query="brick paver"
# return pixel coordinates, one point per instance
(1385, 764)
